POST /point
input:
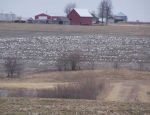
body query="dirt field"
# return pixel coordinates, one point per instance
(120, 85)
(39, 52)
(127, 30)
(22, 106)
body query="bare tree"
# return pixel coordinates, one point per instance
(74, 59)
(93, 13)
(102, 10)
(19, 68)
(140, 65)
(116, 64)
(108, 10)
(11, 66)
(69, 61)
(63, 62)
(69, 7)
(105, 10)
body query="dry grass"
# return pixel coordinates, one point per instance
(32, 86)
(142, 94)
(85, 87)
(137, 30)
(49, 79)
(120, 85)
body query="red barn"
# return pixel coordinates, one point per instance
(80, 17)
(45, 17)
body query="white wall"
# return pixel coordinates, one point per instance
(43, 17)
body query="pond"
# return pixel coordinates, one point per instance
(44, 93)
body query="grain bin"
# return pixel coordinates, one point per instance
(7, 17)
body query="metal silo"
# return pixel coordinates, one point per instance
(7, 17)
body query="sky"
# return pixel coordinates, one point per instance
(134, 9)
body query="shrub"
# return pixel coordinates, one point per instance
(12, 66)
(85, 87)
(69, 61)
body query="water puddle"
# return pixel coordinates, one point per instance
(26, 93)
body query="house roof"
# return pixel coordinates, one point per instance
(65, 19)
(43, 14)
(120, 14)
(52, 16)
(83, 12)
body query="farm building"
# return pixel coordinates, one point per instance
(117, 18)
(7, 17)
(80, 17)
(63, 21)
(45, 18)
(120, 17)
(42, 17)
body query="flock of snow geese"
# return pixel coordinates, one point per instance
(44, 50)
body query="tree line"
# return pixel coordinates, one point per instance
(66, 61)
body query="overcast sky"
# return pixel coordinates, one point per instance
(134, 9)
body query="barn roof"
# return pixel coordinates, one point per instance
(83, 12)
(120, 14)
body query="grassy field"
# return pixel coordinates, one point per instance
(120, 85)
(114, 29)
(68, 77)
(26, 106)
